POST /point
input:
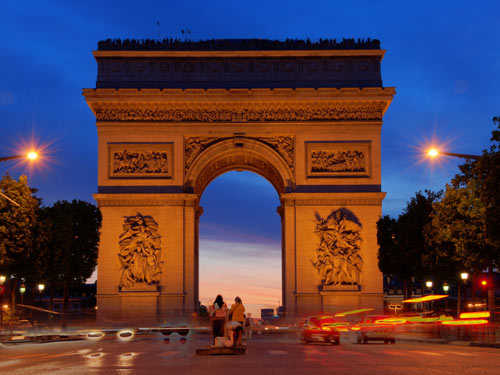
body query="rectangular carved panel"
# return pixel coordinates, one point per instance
(338, 159)
(141, 160)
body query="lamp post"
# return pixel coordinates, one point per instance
(41, 288)
(433, 152)
(446, 288)
(2, 291)
(32, 155)
(464, 276)
(22, 290)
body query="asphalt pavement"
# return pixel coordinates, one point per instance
(266, 354)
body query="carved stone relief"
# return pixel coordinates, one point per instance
(362, 112)
(338, 159)
(284, 146)
(194, 146)
(140, 250)
(338, 259)
(140, 160)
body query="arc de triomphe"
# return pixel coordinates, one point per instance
(173, 116)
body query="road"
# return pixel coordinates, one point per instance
(266, 354)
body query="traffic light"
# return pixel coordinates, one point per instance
(483, 283)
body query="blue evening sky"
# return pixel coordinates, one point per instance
(443, 57)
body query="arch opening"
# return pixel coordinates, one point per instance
(240, 244)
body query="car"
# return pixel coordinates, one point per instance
(321, 329)
(376, 328)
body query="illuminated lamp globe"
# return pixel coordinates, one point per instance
(32, 155)
(428, 284)
(433, 152)
(464, 276)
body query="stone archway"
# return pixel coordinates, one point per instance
(170, 121)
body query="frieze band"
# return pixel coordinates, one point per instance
(372, 112)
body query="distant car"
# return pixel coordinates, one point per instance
(322, 329)
(375, 328)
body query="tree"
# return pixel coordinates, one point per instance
(73, 244)
(18, 230)
(403, 251)
(468, 216)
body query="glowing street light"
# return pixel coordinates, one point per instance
(464, 276)
(41, 287)
(32, 155)
(446, 287)
(434, 152)
(2, 291)
(428, 284)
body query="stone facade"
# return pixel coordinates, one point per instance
(164, 135)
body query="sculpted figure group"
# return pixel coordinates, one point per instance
(338, 261)
(140, 162)
(337, 161)
(140, 251)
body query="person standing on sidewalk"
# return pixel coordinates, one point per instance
(236, 314)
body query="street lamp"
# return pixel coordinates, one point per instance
(41, 287)
(32, 155)
(2, 291)
(464, 276)
(22, 290)
(446, 287)
(428, 284)
(433, 152)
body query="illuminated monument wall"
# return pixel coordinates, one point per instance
(171, 117)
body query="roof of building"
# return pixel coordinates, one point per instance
(171, 44)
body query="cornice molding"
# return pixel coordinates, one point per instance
(332, 199)
(239, 105)
(105, 200)
(327, 93)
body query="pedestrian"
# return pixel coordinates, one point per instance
(248, 326)
(218, 314)
(236, 314)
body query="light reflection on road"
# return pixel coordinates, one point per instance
(125, 363)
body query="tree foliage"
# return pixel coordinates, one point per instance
(73, 241)
(468, 216)
(18, 225)
(403, 250)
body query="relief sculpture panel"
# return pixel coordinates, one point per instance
(338, 159)
(338, 260)
(140, 250)
(140, 160)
